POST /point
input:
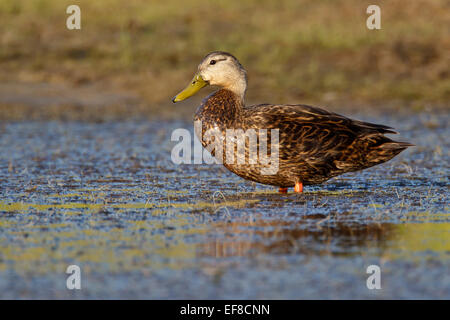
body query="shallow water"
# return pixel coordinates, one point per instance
(106, 197)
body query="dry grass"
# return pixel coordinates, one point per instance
(295, 51)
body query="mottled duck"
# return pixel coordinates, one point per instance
(313, 144)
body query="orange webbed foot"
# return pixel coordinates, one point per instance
(283, 190)
(298, 187)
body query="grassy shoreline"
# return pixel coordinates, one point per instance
(317, 52)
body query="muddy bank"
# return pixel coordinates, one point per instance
(43, 101)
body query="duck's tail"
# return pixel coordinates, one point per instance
(382, 149)
(369, 150)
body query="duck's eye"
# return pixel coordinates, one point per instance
(212, 62)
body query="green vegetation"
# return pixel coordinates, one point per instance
(295, 51)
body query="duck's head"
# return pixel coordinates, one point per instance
(218, 69)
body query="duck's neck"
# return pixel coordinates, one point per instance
(238, 86)
(222, 107)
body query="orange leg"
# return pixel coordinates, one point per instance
(298, 187)
(283, 190)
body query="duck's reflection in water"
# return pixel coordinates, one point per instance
(312, 235)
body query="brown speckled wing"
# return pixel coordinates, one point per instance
(315, 144)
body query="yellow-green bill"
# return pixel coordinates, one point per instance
(196, 84)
